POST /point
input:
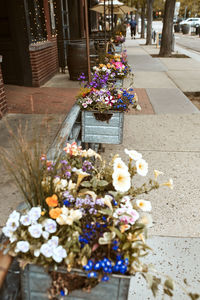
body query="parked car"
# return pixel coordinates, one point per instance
(191, 21)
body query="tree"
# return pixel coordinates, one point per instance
(167, 32)
(149, 21)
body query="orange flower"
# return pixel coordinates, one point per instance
(55, 212)
(52, 201)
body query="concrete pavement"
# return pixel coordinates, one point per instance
(169, 141)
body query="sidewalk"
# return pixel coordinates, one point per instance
(169, 141)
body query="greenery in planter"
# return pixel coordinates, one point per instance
(107, 99)
(87, 215)
(82, 213)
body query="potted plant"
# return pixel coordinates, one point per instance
(86, 215)
(103, 113)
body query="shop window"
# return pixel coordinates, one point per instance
(37, 26)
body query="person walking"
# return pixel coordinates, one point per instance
(133, 25)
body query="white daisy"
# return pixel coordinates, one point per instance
(142, 167)
(144, 205)
(121, 180)
(133, 154)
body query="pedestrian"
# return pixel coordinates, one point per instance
(133, 25)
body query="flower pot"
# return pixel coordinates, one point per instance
(35, 282)
(77, 58)
(118, 48)
(177, 28)
(185, 28)
(105, 128)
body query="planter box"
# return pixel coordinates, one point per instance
(35, 282)
(118, 48)
(105, 132)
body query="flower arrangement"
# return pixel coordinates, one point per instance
(119, 39)
(89, 215)
(113, 69)
(107, 99)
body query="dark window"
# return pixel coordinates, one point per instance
(37, 24)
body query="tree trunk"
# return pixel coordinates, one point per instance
(167, 32)
(149, 21)
(142, 21)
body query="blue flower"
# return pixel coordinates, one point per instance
(62, 293)
(92, 275)
(66, 202)
(105, 278)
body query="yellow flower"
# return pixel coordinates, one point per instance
(168, 183)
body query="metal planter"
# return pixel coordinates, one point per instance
(102, 132)
(35, 283)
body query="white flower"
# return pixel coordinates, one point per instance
(157, 173)
(142, 167)
(7, 232)
(46, 250)
(25, 220)
(15, 215)
(121, 180)
(75, 214)
(12, 224)
(126, 202)
(169, 184)
(34, 213)
(50, 225)
(104, 68)
(59, 253)
(119, 164)
(69, 216)
(60, 184)
(62, 219)
(144, 205)
(45, 235)
(22, 246)
(13, 238)
(71, 185)
(35, 230)
(146, 219)
(53, 242)
(37, 252)
(133, 154)
(138, 107)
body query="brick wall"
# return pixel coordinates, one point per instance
(3, 103)
(44, 61)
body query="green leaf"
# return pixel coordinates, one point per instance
(86, 184)
(102, 183)
(126, 246)
(105, 211)
(168, 292)
(169, 284)
(118, 233)
(193, 296)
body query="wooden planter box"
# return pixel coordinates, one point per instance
(35, 283)
(103, 132)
